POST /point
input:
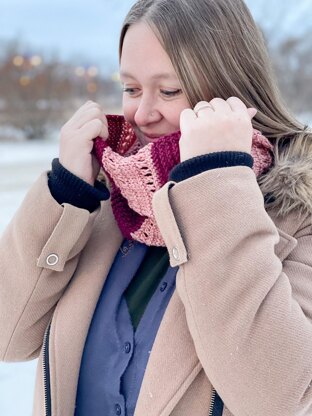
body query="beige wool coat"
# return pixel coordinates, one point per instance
(238, 322)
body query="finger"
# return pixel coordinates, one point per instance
(186, 118)
(104, 119)
(200, 105)
(104, 130)
(90, 103)
(218, 104)
(86, 106)
(83, 118)
(252, 112)
(236, 104)
(202, 108)
(94, 128)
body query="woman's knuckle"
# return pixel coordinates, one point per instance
(216, 100)
(97, 122)
(95, 105)
(96, 112)
(201, 102)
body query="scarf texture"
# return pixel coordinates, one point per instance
(136, 173)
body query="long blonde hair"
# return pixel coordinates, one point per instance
(217, 50)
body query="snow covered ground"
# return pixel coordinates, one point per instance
(20, 165)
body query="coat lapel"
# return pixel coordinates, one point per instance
(172, 366)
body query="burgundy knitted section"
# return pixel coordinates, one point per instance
(166, 154)
(120, 139)
(98, 148)
(262, 153)
(128, 220)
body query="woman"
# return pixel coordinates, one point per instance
(208, 171)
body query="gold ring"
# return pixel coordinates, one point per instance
(202, 107)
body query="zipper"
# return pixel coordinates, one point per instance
(46, 372)
(213, 398)
(216, 404)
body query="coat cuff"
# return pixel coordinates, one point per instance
(199, 164)
(66, 187)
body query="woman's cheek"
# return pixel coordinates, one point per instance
(173, 118)
(174, 111)
(129, 110)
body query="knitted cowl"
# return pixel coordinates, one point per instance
(137, 172)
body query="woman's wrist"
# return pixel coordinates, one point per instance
(66, 187)
(199, 164)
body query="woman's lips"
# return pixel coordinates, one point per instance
(148, 138)
(153, 136)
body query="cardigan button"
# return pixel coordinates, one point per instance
(163, 286)
(175, 253)
(127, 347)
(117, 409)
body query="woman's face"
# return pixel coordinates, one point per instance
(152, 98)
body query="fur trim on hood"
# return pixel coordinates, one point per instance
(287, 186)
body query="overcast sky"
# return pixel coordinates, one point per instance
(83, 31)
(86, 32)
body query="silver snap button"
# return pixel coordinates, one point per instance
(175, 253)
(52, 259)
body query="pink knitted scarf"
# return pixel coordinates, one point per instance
(136, 173)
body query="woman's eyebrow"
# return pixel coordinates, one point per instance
(162, 75)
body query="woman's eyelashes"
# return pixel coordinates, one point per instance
(170, 93)
(130, 91)
(166, 93)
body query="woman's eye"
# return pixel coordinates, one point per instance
(171, 93)
(166, 93)
(130, 91)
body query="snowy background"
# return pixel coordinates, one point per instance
(97, 23)
(20, 165)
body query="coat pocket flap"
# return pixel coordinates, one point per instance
(285, 245)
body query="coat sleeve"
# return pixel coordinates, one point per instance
(39, 252)
(248, 312)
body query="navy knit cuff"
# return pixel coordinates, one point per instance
(66, 187)
(199, 164)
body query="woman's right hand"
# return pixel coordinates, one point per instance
(76, 141)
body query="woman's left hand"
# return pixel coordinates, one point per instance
(216, 126)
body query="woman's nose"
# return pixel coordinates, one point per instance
(146, 113)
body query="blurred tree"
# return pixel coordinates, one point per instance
(291, 54)
(37, 96)
(292, 60)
